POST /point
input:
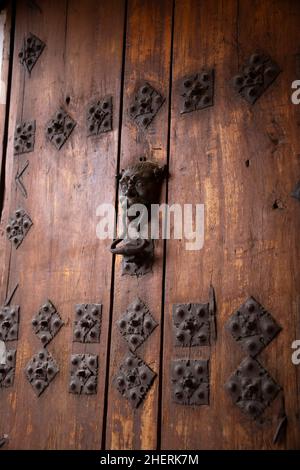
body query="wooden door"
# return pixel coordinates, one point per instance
(240, 160)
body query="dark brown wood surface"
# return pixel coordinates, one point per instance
(61, 258)
(148, 42)
(6, 21)
(251, 244)
(250, 248)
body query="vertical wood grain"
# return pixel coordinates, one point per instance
(62, 258)
(250, 248)
(148, 44)
(7, 32)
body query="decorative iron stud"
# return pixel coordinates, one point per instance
(31, 51)
(136, 324)
(47, 322)
(87, 324)
(145, 105)
(41, 370)
(59, 128)
(252, 327)
(197, 91)
(18, 227)
(134, 379)
(251, 387)
(256, 76)
(190, 382)
(9, 322)
(191, 324)
(7, 370)
(99, 116)
(24, 137)
(84, 374)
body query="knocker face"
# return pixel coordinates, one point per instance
(141, 184)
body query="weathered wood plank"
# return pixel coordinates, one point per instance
(61, 257)
(6, 23)
(250, 248)
(251, 223)
(147, 58)
(5, 29)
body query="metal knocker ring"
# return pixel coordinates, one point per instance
(133, 247)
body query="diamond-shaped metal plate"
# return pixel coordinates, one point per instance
(18, 226)
(99, 116)
(256, 76)
(136, 324)
(191, 324)
(252, 327)
(87, 324)
(197, 91)
(190, 382)
(9, 322)
(84, 374)
(296, 192)
(7, 370)
(145, 105)
(24, 137)
(252, 388)
(41, 370)
(59, 128)
(47, 322)
(134, 379)
(31, 51)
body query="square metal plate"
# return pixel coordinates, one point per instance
(191, 324)
(197, 91)
(190, 382)
(84, 374)
(87, 324)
